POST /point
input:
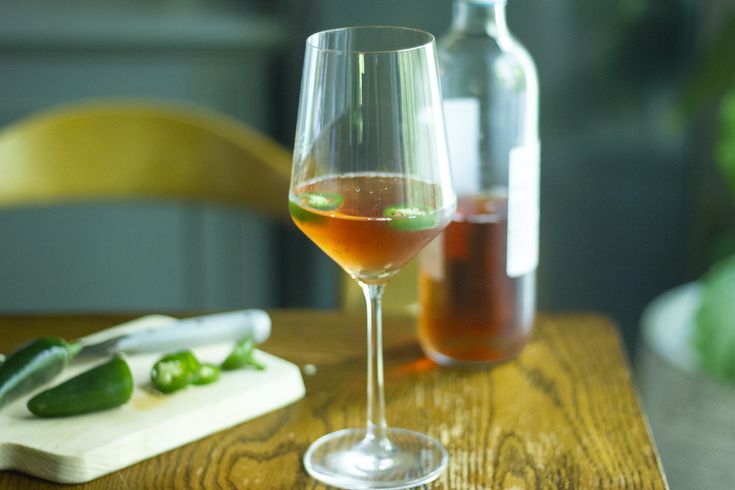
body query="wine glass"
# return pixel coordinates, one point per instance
(371, 187)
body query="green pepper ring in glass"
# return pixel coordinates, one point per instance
(321, 201)
(410, 218)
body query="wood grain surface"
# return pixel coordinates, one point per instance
(564, 415)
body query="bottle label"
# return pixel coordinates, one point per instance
(523, 210)
(462, 116)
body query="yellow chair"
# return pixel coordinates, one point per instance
(105, 151)
(116, 150)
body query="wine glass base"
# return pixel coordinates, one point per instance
(347, 459)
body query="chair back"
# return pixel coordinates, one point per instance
(158, 252)
(116, 150)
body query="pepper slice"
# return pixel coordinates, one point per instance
(34, 363)
(242, 356)
(103, 387)
(301, 208)
(323, 201)
(206, 374)
(404, 217)
(174, 371)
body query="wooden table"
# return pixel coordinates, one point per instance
(564, 415)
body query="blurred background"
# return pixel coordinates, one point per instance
(630, 198)
(632, 204)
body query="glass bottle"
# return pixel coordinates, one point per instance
(477, 281)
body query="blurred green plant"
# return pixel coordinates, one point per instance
(714, 333)
(714, 82)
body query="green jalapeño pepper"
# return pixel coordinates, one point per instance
(323, 201)
(175, 371)
(103, 387)
(34, 364)
(242, 356)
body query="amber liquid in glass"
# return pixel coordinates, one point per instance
(471, 311)
(357, 235)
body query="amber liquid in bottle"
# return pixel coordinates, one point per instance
(471, 309)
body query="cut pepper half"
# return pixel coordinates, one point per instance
(103, 387)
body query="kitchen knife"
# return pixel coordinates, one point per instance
(186, 333)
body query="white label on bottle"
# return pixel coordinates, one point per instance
(462, 117)
(523, 210)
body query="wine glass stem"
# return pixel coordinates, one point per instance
(376, 426)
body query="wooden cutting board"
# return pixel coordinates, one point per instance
(81, 448)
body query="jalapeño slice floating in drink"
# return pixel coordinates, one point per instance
(319, 201)
(410, 218)
(323, 201)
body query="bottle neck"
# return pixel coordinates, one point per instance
(485, 17)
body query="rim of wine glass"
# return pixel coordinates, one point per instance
(310, 41)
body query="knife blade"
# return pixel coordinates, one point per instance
(186, 333)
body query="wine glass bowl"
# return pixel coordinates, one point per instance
(371, 187)
(366, 223)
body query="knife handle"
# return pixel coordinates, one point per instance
(207, 329)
